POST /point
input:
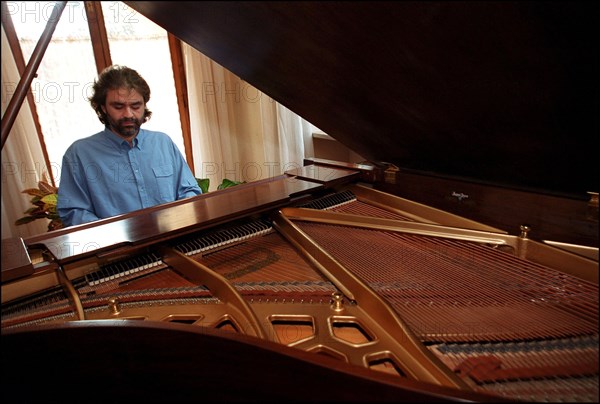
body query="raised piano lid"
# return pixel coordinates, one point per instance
(503, 93)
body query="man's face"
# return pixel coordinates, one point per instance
(125, 111)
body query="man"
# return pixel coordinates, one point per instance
(123, 168)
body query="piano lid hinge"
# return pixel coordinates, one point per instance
(390, 174)
(525, 229)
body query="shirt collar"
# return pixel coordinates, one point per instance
(119, 142)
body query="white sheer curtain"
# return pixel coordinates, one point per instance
(22, 158)
(238, 132)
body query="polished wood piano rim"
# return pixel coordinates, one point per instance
(133, 360)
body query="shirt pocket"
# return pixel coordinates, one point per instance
(165, 182)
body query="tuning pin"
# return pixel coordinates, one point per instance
(338, 301)
(113, 306)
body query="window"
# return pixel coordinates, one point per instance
(63, 77)
(142, 45)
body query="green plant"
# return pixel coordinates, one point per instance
(229, 183)
(44, 199)
(204, 183)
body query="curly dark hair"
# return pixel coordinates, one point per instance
(115, 77)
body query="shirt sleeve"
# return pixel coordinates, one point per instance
(74, 205)
(188, 186)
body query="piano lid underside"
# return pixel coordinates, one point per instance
(503, 93)
(502, 324)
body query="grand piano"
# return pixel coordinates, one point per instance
(459, 262)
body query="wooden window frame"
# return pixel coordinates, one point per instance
(15, 47)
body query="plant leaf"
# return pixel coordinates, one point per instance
(33, 192)
(203, 183)
(50, 199)
(46, 188)
(36, 199)
(31, 210)
(229, 183)
(24, 220)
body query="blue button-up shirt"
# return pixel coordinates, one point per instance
(103, 176)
